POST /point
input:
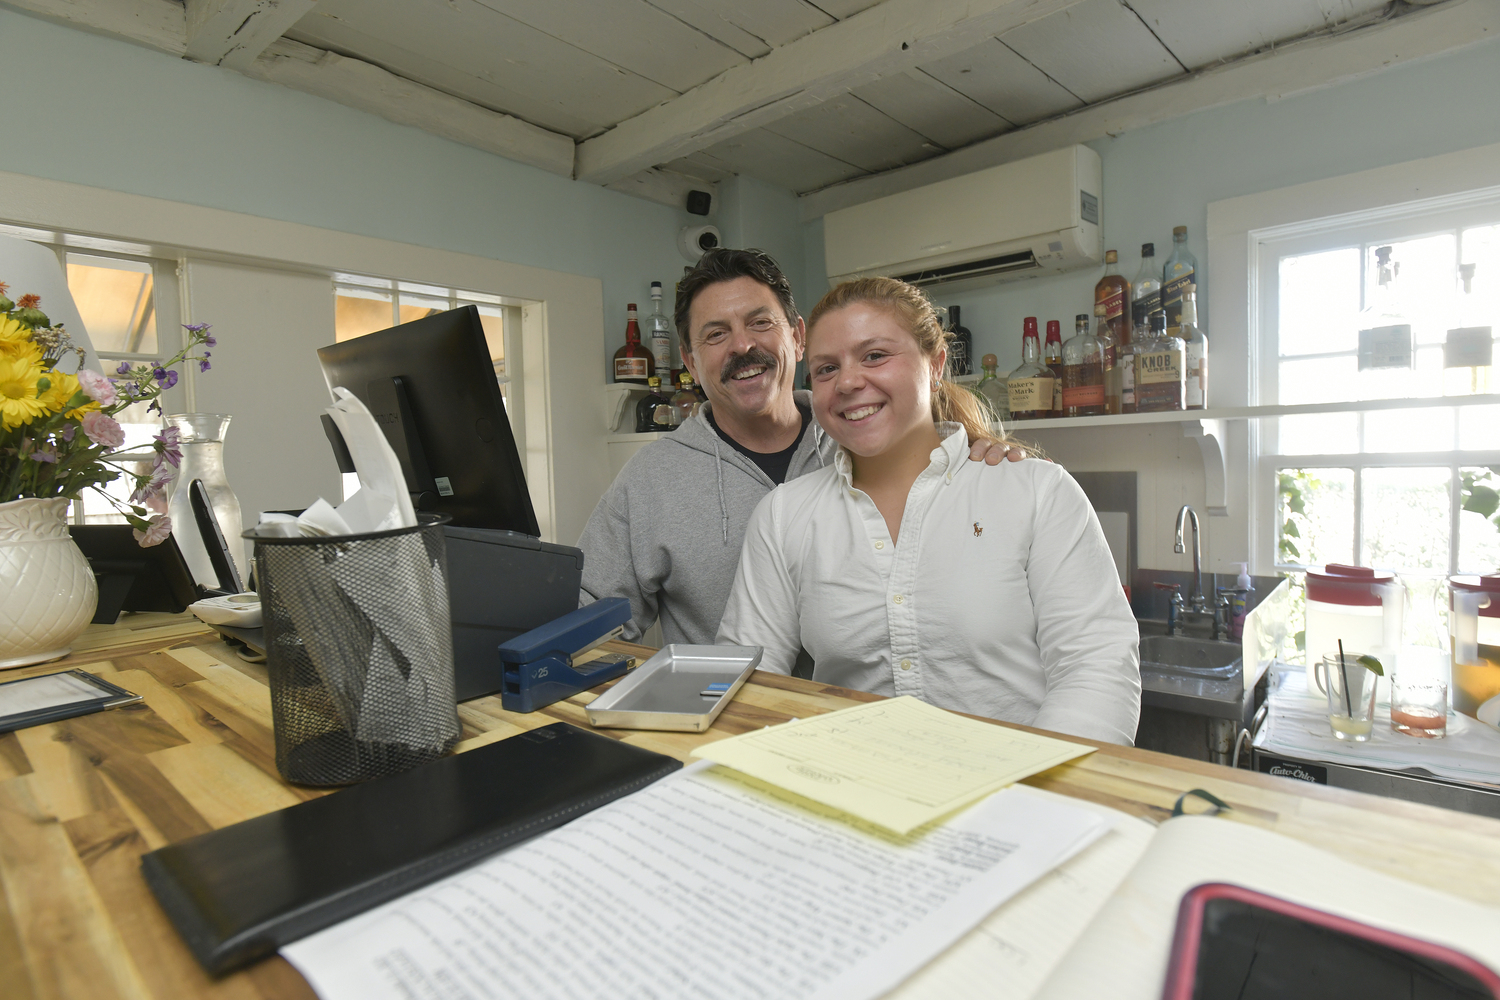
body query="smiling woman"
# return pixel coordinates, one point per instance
(880, 566)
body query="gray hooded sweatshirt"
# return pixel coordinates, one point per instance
(667, 534)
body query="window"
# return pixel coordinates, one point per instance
(1411, 489)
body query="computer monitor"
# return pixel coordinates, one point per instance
(431, 386)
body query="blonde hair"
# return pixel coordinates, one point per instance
(950, 401)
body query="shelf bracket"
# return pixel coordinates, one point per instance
(616, 396)
(1210, 437)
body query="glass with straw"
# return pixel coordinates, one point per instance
(1350, 681)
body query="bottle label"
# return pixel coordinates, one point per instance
(1028, 394)
(1385, 347)
(1171, 295)
(1197, 377)
(958, 356)
(1158, 367)
(1127, 377)
(1469, 347)
(1142, 308)
(1083, 395)
(631, 369)
(661, 350)
(1113, 302)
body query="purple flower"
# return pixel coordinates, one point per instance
(68, 431)
(196, 328)
(152, 492)
(124, 368)
(98, 388)
(47, 454)
(103, 430)
(170, 380)
(211, 341)
(158, 373)
(153, 407)
(204, 366)
(160, 528)
(168, 447)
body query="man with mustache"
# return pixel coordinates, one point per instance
(668, 532)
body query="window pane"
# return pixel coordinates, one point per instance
(357, 312)
(1409, 430)
(1319, 434)
(115, 302)
(492, 318)
(1424, 282)
(1319, 296)
(1317, 516)
(1479, 427)
(1324, 380)
(417, 307)
(1481, 247)
(139, 425)
(1406, 519)
(1423, 380)
(97, 510)
(1479, 521)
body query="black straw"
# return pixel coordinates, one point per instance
(1348, 704)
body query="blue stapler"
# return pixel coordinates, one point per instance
(539, 666)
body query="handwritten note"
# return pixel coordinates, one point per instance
(705, 884)
(898, 763)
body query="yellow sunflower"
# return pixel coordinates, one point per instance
(16, 342)
(18, 393)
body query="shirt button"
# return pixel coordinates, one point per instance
(899, 599)
(880, 545)
(905, 664)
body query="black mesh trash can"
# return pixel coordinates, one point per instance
(359, 646)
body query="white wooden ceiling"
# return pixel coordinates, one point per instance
(654, 96)
(581, 67)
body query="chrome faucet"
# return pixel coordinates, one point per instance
(1197, 603)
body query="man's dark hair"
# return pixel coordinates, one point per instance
(723, 264)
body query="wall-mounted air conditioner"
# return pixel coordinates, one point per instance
(1035, 216)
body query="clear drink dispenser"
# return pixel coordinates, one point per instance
(1475, 625)
(1362, 607)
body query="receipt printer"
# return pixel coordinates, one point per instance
(541, 666)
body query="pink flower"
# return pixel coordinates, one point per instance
(98, 388)
(168, 446)
(103, 430)
(161, 527)
(152, 494)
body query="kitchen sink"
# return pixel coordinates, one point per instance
(1185, 657)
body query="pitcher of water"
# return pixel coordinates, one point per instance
(1362, 607)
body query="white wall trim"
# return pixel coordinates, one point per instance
(561, 340)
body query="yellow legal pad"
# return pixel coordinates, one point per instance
(897, 763)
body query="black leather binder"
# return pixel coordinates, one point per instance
(238, 894)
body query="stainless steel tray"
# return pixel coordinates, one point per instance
(666, 692)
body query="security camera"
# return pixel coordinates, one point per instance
(695, 241)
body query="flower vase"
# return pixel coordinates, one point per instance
(201, 437)
(47, 590)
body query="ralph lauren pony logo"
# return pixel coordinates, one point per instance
(977, 530)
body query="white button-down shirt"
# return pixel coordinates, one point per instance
(999, 598)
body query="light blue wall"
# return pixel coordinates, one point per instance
(1167, 174)
(108, 114)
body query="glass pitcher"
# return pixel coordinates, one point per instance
(202, 438)
(1475, 624)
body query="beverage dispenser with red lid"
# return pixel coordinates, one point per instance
(1475, 625)
(1360, 606)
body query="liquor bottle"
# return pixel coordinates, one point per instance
(1052, 355)
(1030, 386)
(1125, 362)
(991, 388)
(1469, 350)
(1180, 270)
(633, 363)
(1083, 372)
(1109, 356)
(659, 334)
(960, 345)
(1145, 290)
(1160, 363)
(1385, 340)
(1195, 344)
(685, 401)
(1113, 293)
(645, 410)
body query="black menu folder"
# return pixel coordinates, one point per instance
(238, 894)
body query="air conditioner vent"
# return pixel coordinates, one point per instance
(1004, 264)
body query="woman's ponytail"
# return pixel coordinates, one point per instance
(952, 402)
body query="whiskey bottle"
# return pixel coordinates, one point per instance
(1109, 355)
(1195, 344)
(1145, 290)
(991, 388)
(633, 363)
(1083, 372)
(1160, 364)
(1469, 350)
(645, 410)
(960, 345)
(1113, 293)
(1029, 388)
(659, 334)
(1052, 355)
(1180, 270)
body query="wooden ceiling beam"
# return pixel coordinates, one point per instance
(156, 24)
(233, 33)
(891, 37)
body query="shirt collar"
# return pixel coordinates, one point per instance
(954, 445)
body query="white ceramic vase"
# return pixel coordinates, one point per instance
(47, 590)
